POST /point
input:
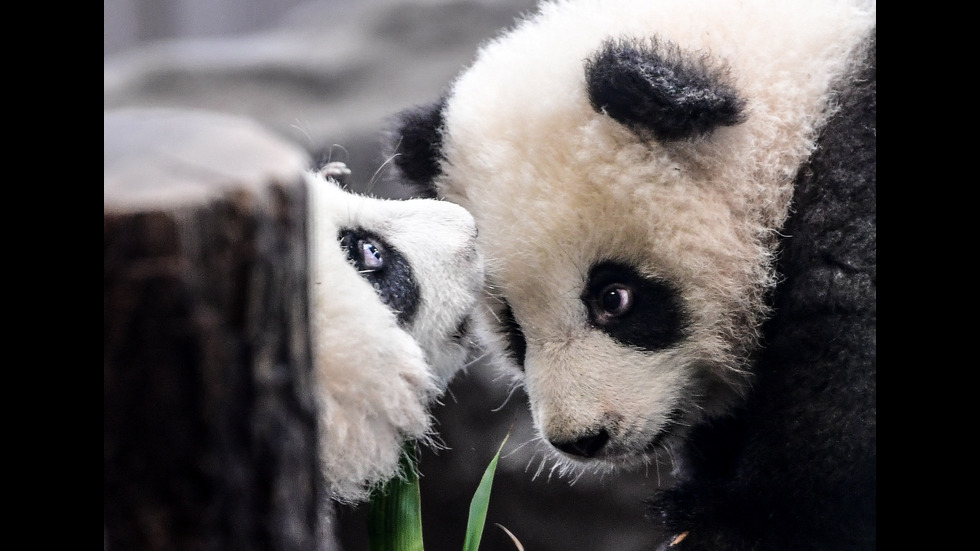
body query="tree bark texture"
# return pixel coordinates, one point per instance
(209, 426)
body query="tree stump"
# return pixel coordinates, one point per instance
(210, 429)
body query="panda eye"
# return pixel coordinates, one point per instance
(380, 263)
(614, 300)
(362, 251)
(633, 308)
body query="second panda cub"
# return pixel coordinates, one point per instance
(394, 283)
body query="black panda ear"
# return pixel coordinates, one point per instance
(654, 87)
(415, 143)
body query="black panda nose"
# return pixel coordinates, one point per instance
(586, 446)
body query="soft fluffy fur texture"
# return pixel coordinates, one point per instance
(633, 167)
(394, 283)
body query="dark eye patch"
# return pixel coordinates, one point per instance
(385, 268)
(634, 309)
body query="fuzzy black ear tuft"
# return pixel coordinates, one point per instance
(655, 88)
(416, 145)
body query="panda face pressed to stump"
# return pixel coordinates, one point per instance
(394, 285)
(629, 166)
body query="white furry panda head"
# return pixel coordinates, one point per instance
(394, 284)
(629, 165)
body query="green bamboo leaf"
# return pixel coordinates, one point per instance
(480, 504)
(395, 510)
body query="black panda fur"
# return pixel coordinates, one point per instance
(795, 467)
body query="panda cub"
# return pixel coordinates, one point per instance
(676, 201)
(393, 285)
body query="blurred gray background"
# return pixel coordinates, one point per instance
(326, 75)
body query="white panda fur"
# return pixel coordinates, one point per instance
(377, 375)
(559, 185)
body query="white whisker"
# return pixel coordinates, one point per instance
(518, 448)
(374, 177)
(513, 389)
